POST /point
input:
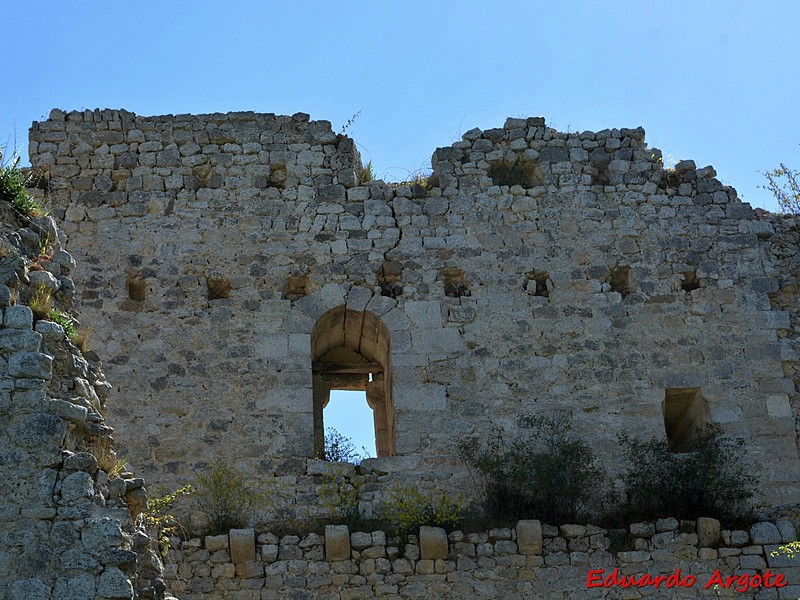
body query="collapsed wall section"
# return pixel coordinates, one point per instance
(534, 272)
(67, 519)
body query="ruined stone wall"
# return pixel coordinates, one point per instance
(531, 560)
(209, 247)
(66, 522)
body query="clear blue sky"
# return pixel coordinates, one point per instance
(714, 81)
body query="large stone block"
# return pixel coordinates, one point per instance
(529, 537)
(337, 543)
(708, 532)
(765, 533)
(432, 543)
(18, 317)
(31, 365)
(243, 545)
(114, 583)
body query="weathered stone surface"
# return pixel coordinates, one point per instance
(242, 545)
(529, 537)
(33, 365)
(18, 317)
(337, 543)
(113, 583)
(765, 533)
(708, 532)
(432, 543)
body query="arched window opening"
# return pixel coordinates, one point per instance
(350, 351)
(685, 413)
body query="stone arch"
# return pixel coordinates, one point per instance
(351, 350)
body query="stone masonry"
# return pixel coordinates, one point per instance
(233, 270)
(67, 519)
(530, 560)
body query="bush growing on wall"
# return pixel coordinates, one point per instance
(710, 481)
(409, 508)
(227, 499)
(545, 473)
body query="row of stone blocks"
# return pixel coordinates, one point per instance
(339, 542)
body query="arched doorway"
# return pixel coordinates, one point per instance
(350, 350)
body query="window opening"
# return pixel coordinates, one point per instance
(685, 413)
(348, 415)
(350, 352)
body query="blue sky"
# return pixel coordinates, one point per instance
(714, 81)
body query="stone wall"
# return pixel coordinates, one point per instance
(536, 271)
(531, 560)
(66, 521)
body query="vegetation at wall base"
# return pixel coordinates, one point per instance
(159, 519)
(408, 508)
(710, 481)
(227, 498)
(544, 473)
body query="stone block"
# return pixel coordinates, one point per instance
(572, 531)
(708, 532)
(643, 530)
(114, 583)
(337, 543)
(43, 279)
(242, 545)
(17, 340)
(360, 540)
(787, 530)
(18, 317)
(432, 543)
(529, 537)
(249, 570)
(668, 524)
(765, 533)
(31, 365)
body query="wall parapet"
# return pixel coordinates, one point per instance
(529, 560)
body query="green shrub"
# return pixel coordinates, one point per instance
(13, 186)
(409, 508)
(227, 499)
(67, 324)
(159, 520)
(339, 495)
(710, 481)
(543, 473)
